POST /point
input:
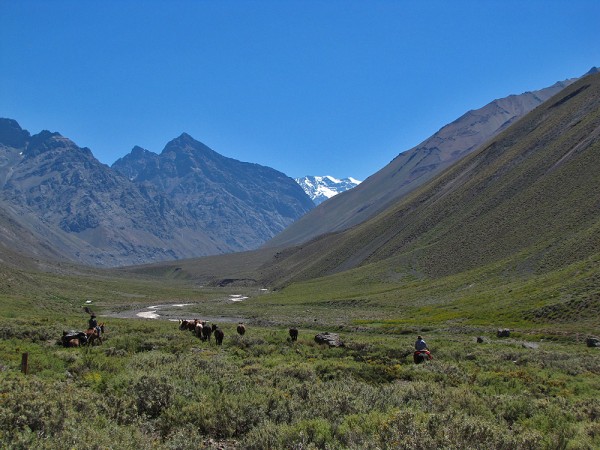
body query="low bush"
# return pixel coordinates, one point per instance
(260, 391)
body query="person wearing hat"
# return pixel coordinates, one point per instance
(420, 344)
(93, 324)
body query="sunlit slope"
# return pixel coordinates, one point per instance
(415, 167)
(532, 194)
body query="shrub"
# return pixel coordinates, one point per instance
(30, 405)
(360, 430)
(153, 394)
(310, 433)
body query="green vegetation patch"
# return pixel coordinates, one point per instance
(151, 385)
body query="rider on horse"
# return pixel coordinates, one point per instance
(421, 351)
(93, 324)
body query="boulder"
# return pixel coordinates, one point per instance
(592, 341)
(331, 339)
(530, 345)
(503, 332)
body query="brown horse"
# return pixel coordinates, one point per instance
(241, 329)
(93, 336)
(73, 338)
(73, 343)
(188, 324)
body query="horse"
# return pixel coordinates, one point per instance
(219, 336)
(95, 334)
(293, 334)
(206, 332)
(73, 342)
(187, 324)
(199, 329)
(420, 356)
(73, 338)
(241, 329)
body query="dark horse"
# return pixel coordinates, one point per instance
(206, 332)
(420, 356)
(294, 334)
(219, 336)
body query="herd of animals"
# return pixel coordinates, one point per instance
(200, 328)
(204, 331)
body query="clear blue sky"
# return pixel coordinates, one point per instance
(306, 87)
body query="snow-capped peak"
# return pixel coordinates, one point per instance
(321, 188)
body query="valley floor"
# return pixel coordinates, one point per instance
(151, 385)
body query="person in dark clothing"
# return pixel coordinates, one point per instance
(93, 324)
(420, 344)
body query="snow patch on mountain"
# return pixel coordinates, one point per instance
(321, 188)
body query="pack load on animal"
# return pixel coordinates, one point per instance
(73, 338)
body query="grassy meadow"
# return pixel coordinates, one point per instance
(151, 385)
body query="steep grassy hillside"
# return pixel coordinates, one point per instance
(415, 167)
(532, 195)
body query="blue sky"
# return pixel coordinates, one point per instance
(306, 87)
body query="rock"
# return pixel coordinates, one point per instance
(530, 345)
(331, 339)
(503, 332)
(592, 341)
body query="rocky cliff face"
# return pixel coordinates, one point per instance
(182, 203)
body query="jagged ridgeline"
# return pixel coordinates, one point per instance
(58, 201)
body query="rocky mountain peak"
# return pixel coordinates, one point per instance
(185, 144)
(47, 141)
(592, 71)
(138, 151)
(321, 188)
(138, 165)
(12, 135)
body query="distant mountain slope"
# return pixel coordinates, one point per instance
(413, 168)
(320, 188)
(531, 196)
(237, 203)
(58, 196)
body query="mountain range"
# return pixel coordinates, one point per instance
(189, 201)
(525, 204)
(57, 202)
(530, 194)
(321, 188)
(414, 167)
